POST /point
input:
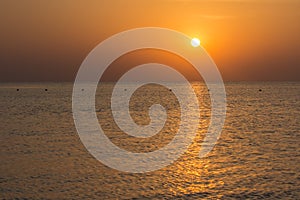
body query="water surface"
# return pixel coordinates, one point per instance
(257, 155)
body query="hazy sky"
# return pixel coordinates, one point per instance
(248, 39)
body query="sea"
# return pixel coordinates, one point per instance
(257, 155)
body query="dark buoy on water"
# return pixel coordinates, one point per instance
(170, 90)
(125, 89)
(46, 89)
(18, 89)
(82, 89)
(260, 90)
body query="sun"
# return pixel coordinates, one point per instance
(195, 42)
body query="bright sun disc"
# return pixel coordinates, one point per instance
(195, 42)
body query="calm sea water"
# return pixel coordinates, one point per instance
(257, 155)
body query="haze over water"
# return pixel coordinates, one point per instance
(257, 155)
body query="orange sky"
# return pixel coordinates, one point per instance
(248, 39)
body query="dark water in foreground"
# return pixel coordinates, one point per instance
(257, 155)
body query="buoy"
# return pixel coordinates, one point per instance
(46, 89)
(260, 90)
(82, 89)
(18, 89)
